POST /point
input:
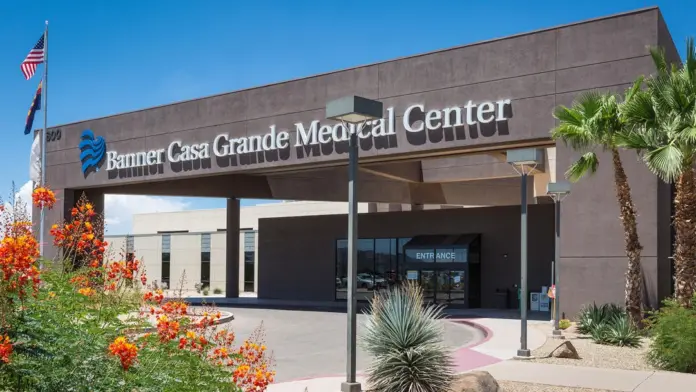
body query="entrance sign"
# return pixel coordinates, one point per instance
(415, 118)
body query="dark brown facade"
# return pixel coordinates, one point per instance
(311, 243)
(456, 165)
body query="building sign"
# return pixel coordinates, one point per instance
(439, 256)
(415, 119)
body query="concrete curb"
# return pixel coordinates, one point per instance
(487, 333)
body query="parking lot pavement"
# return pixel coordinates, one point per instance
(313, 344)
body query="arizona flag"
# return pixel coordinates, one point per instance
(35, 105)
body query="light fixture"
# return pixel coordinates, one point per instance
(353, 109)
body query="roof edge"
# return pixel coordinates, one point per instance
(612, 16)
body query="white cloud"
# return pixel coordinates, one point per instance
(24, 194)
(120, 208)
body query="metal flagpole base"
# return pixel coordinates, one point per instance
(350, 387)
(557, 332)
(526, 353)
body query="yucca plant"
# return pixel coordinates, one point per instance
(405, 339)
(620, 332)
(593, 316)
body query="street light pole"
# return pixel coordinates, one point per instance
(557, 262)
(352, 261)
(523, 351)
(558, 191)
(524, 161)
(354, 113)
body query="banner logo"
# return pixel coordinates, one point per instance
(92, 151)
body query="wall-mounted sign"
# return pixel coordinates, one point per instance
(412, 275)
(415, 119)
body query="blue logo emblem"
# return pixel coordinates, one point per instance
(92, 151)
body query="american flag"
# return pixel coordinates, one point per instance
(34, 58)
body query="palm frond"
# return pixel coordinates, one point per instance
(587, 164)
(665, 162)
(690, 63)
(659, 59)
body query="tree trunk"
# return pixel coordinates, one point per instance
(685, 230)
(634, 272)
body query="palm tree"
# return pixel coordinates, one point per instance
(662, 127)
(592, 122)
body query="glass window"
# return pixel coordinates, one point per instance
(385, 262)
(165, 275)
(130, 246)
(205, 274)
(205, 257)
(249, 260)
(341, 269)
(205, 242)
(166, 243)
(249, 263)
(166, 257)
(249, 241)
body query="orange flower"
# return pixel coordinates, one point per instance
(43, 197)
(167, 329)
(5, 349)
(86, 291)
(125, 351)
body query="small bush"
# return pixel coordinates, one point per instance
(405, 338)
(563, 324)
(206, 292)
(592, 316)
(217, 290)
(674, 338)
(617, 331)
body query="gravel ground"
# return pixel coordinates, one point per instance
(594, 355)
(509, 386)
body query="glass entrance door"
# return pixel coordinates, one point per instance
(458, 287)
(428, 284)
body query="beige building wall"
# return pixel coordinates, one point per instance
(117, 245)
(185, 258)
(148, 249)
(186, 245)
(218, 268)
(215, 219)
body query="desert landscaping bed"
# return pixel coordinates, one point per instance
(592, 354)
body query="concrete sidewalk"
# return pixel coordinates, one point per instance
(587, 377)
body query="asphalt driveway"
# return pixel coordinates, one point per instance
(313, 344)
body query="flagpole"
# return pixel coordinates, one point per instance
(43, 136)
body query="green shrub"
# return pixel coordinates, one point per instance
(563, 324)
(405, 338)
(217, 290)
(617, 331)
(206, 292)
(592, 316)
(62, 343)
(674, 338)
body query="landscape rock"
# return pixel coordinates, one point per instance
(565, 350)
(476, 382)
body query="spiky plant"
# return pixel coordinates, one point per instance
(405, 339)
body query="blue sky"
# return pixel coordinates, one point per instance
(111, 57)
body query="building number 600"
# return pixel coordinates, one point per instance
(53, 135)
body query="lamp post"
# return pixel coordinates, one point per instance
(354, 113)
(524, 161)
(558, 191)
